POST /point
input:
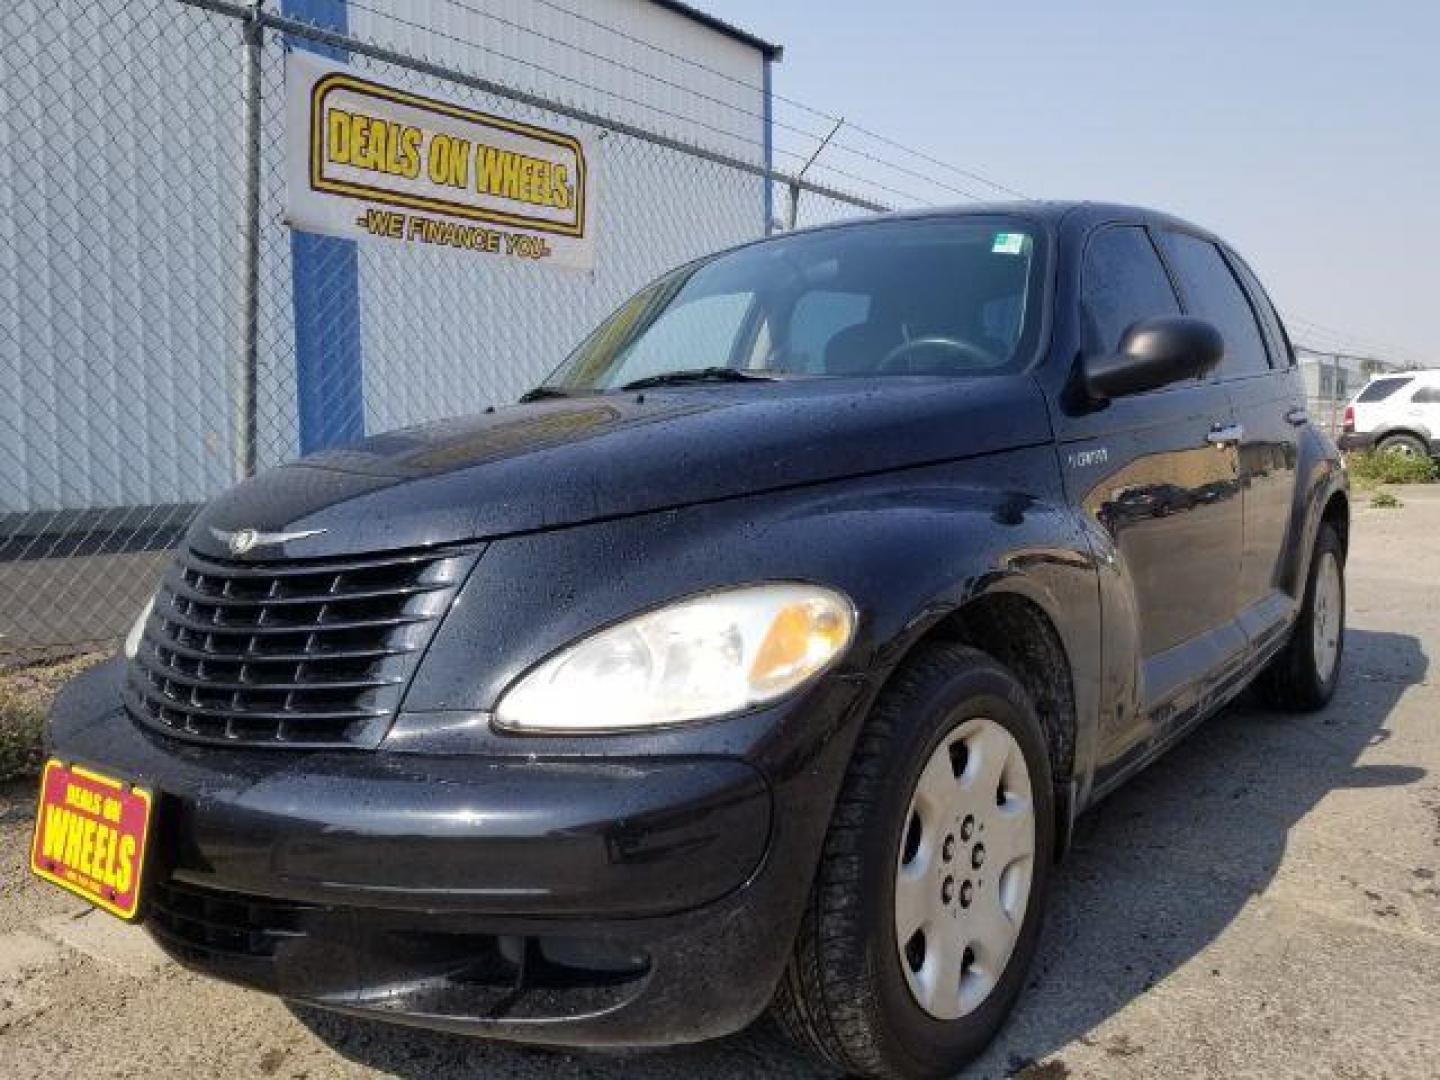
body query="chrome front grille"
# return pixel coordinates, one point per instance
(302, 653)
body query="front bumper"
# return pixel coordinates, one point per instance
(584, 901)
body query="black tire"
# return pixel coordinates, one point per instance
(844, 998)
(1408, 445)
(1293, 681)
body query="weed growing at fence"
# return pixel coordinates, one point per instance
(1385, 500)
(25, 696)
(1374, 468)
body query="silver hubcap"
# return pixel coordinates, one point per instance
(1328, 617)
(963, 879)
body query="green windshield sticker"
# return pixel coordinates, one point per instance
(1008, 243)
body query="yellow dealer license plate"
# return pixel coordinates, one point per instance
(90, 836)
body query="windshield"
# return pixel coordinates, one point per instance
(957, 296)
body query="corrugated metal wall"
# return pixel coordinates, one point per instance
(654, 209)
(588, 61)
(121, 213)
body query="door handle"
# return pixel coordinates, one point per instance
(1229, 435)
(1297, 417)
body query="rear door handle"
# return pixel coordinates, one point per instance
(1229, 435)
(1297, 417)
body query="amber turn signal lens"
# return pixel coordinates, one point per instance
(802, 638)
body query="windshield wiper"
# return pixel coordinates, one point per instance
(544, 393)
(697, 375)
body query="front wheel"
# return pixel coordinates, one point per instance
(1304, 675)
(927, 905)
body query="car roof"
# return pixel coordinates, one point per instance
(1051, 212)
(1054, 212)
(1424, 374)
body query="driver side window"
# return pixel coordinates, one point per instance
(1123, 282)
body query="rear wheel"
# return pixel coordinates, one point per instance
(927, 905)
(1404, 445)
(1304, 675)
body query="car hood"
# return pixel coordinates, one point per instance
(563, 462)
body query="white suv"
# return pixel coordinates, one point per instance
(1396, 413)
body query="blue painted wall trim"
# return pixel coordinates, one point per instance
(768, 139)
(325, 281)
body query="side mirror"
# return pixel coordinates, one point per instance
(1154, 353)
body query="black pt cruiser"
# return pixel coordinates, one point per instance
(761, 659)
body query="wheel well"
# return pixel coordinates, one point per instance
(1018, 633)
(1337, 515)
(1390, 433)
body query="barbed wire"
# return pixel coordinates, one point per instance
(1333, 340)
(629, 69)
(741, 138)
(839, 144)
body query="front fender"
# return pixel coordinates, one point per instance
(908, 547)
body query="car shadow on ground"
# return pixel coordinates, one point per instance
(1156, 873)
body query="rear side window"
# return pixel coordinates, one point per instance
(1124, 282)
(1211, 292)
(1275, 336)
(1427, 395)
(1381, 389)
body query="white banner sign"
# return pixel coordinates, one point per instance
(366, 160)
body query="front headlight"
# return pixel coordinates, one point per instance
(132, 639)
(699, 658)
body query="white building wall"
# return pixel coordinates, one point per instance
(538, 47)
(444, 332)
(119, 269)
(121, 219)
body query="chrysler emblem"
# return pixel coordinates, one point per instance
(244, 541)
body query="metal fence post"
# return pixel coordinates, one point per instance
(1334, 394)
(247, 363)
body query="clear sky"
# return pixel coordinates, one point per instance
(1307, 134)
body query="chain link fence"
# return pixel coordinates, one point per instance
(152, 349)
(1332, 380)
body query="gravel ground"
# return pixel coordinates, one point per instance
(1264, 902)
